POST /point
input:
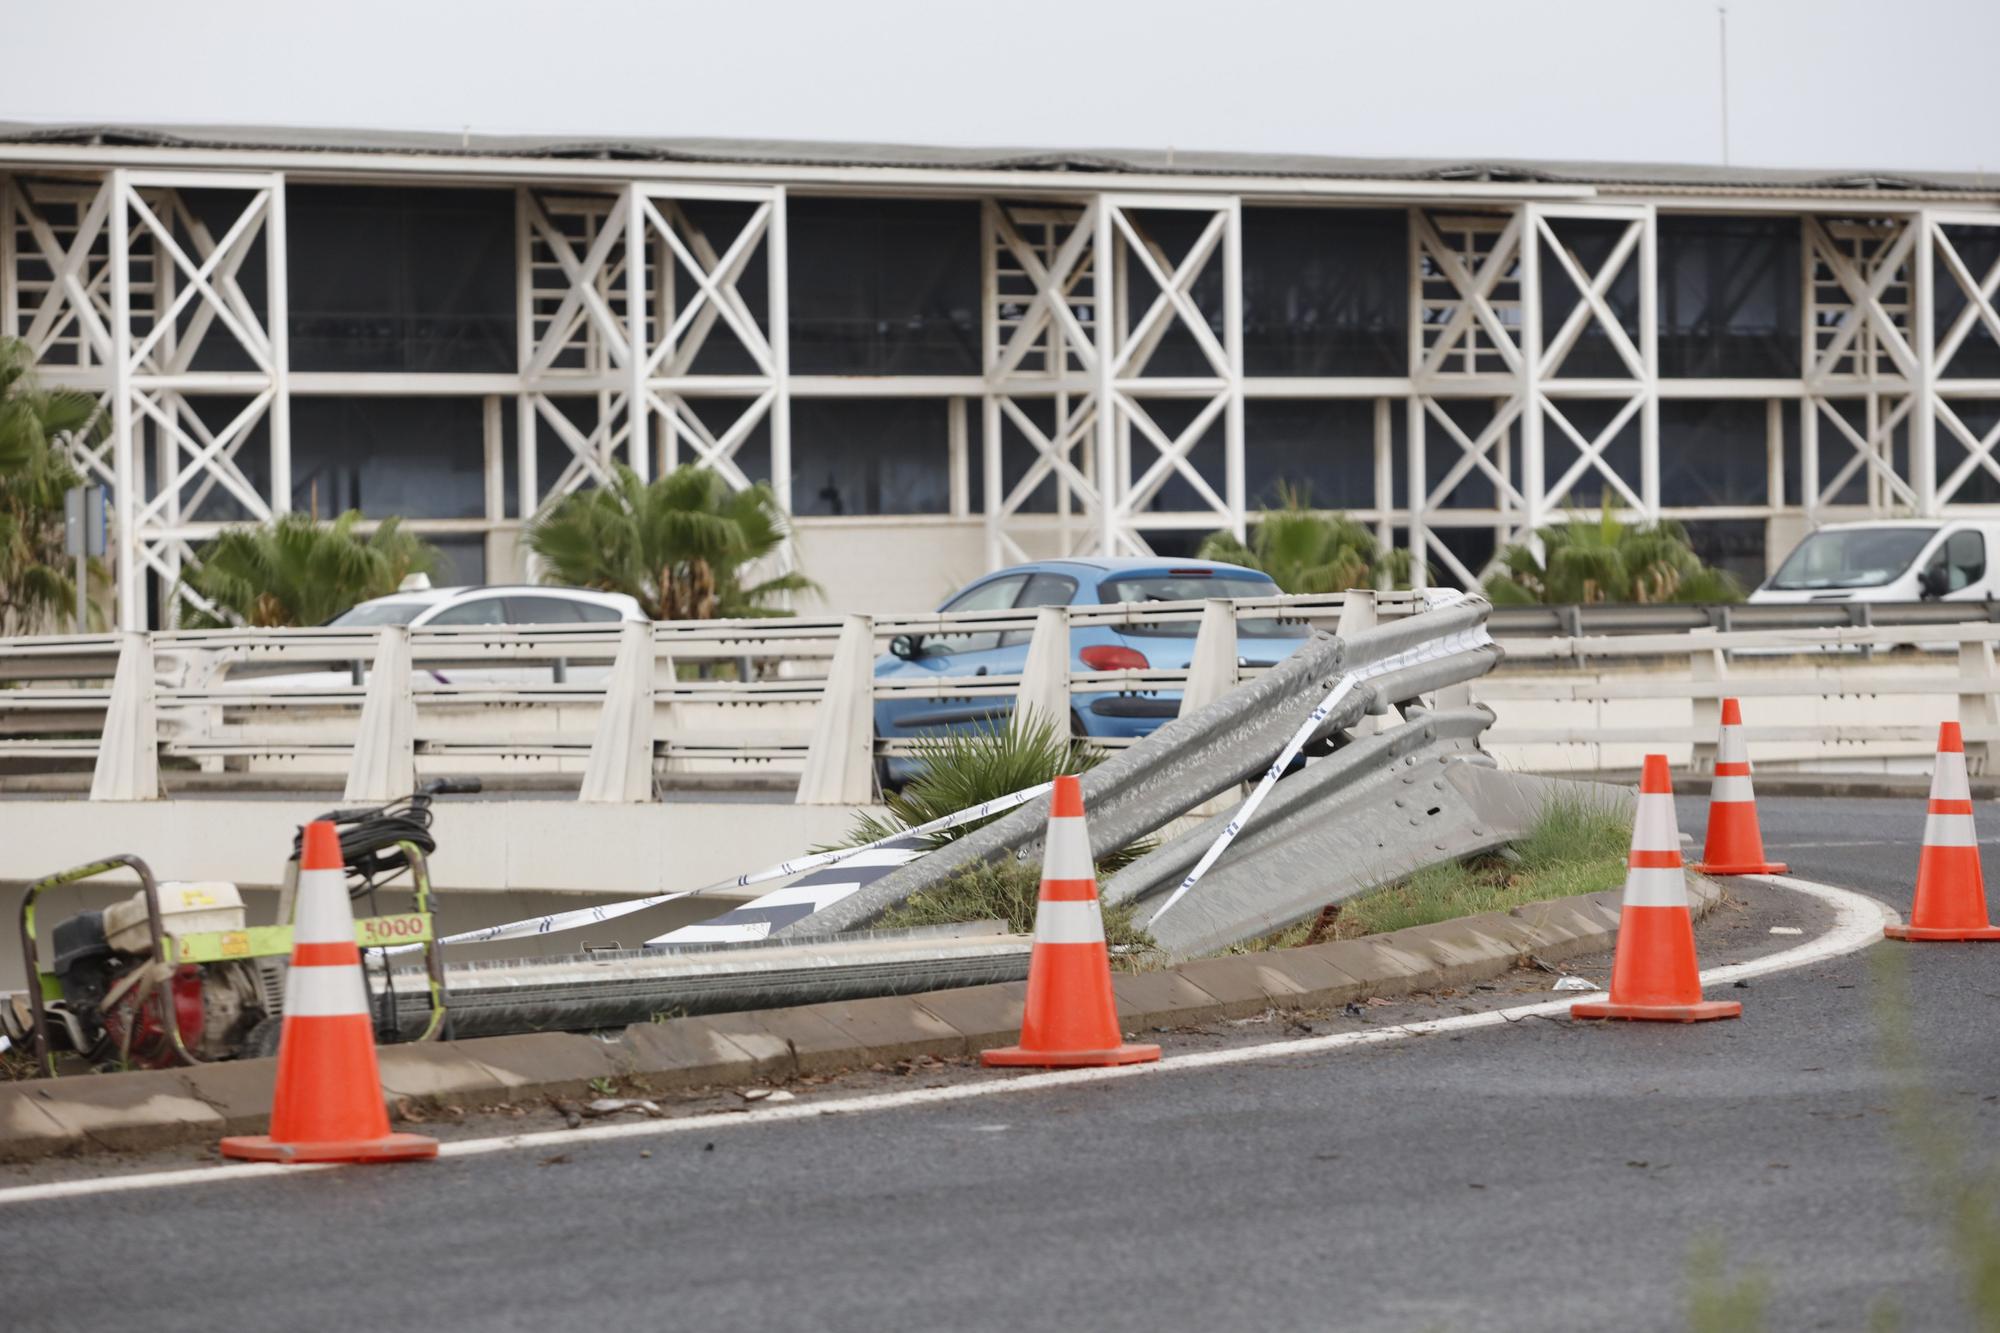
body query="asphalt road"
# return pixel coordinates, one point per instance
(1541, 1176)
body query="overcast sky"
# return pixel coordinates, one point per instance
(1820, 83)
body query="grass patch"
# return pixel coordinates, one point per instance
(1576, 846)
(1008, 891)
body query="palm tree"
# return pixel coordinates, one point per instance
(300, 571)
(962, 769)
(1608, 560)
(1307, 550)
(36, 584)
(680, 544)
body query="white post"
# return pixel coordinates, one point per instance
(989, 464)
(279, 336)
(1385, 493)
(1705, 664)
(1923, 412)
(840, 765)
(1044, 693)
(128, 752)
(1534, 480)
(385, 752)
(124, 462)
(1232, 332)
(620, 771)
(779, 261)
(1976, 710)
(1649, 358)
(957, 459)
(1413, 448)
(1212, 670)
(638, 289)
(1109, 490)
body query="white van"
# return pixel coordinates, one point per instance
(1890, 560)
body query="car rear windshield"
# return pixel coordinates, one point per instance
(1192, 588)
(1850, 558)
(378, 613)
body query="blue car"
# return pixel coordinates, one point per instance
(1073, 582)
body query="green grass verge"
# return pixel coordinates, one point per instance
(1576, 846)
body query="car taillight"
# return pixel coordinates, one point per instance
(1105, 657)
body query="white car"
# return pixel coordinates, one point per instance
(1890, 560)
(419, 605)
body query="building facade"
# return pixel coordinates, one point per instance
(948, 360)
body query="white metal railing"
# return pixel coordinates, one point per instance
(791, 695)
(794, 697)
(1866, 696)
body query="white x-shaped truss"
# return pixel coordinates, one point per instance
(625, 293)
(134, 286)
(1858, 303)
(1063, 322)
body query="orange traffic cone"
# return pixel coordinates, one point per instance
(328, 1106)
(1654, 974)
(1072, 1017)
(1951, 888)
(1735, 844)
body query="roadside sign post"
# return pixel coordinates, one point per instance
(84, 536)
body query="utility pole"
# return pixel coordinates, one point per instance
(1722, 37)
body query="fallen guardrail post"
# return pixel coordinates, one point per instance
(840, 761)
(1044, 689)
(128, 754)
(620, 768)
(385, 752)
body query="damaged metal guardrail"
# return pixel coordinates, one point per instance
(1199, 756)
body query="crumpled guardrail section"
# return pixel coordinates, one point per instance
(1197, 757)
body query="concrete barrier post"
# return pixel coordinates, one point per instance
(1044, 690)
(1706, 665)
(128, 751)
(1212, 672)
(1976, 710)
(620, 771)
(385, 752)
(1358, 612)
(840, 765)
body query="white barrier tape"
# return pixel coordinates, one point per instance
(577, 918)
(1441, 647)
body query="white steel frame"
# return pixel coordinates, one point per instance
(619, 291)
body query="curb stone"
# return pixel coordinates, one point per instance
(158, 1108)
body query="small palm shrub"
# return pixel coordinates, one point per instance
(297, 570)
(962, 769)
(1608, 560)
(1307, 550)
(37, 584)
(680, 545)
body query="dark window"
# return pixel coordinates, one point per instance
(479, 611)
(400, 279)
(542, 611)
(1963, 559)
(1729, 296)
(992, 595)
(1042, 590)
(591, 613)
(883, 287)
(861, 456)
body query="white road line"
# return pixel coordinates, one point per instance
(1858, 922)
